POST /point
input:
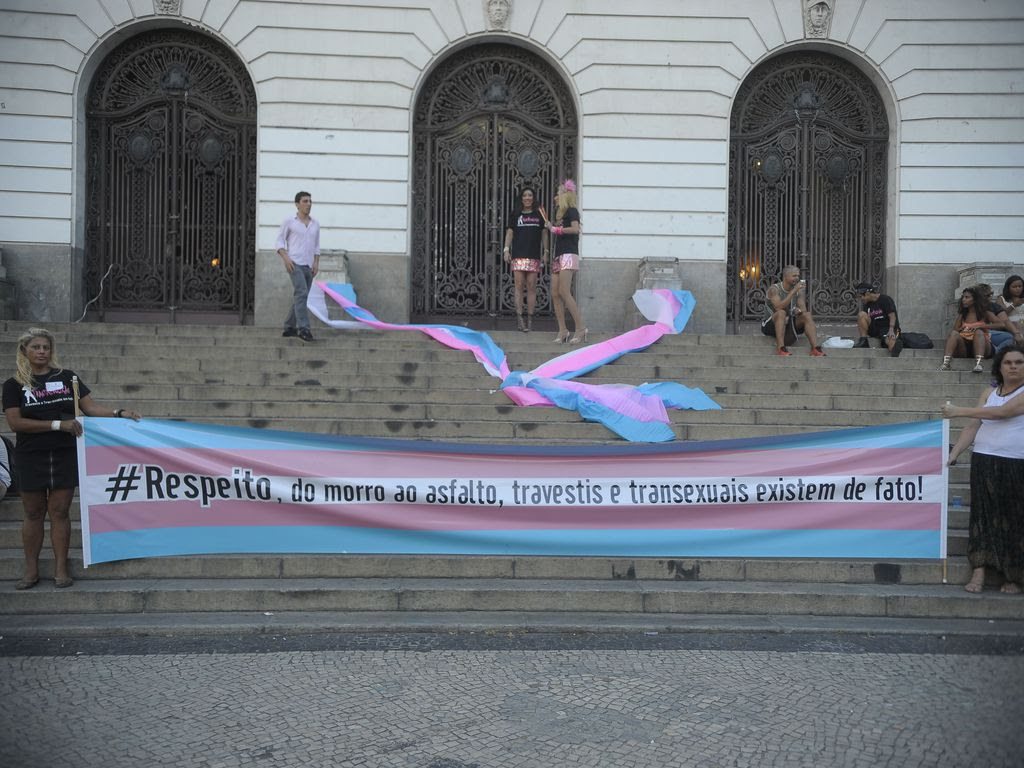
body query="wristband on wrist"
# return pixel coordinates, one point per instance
(55, 425)
(118, 413)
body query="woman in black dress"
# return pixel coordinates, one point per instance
(39, 403)
(566, 261)
(526, 240)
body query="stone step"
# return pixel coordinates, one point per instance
(66, 628)
(823, 411)
(667, 361)
(844, 571)
(749, 379)
(167, 400)
(512, 344)
(354, 388)
(429, 595)
(149, 334)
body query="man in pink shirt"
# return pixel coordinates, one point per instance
(298, 245)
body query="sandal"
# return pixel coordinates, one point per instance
(521, 323)
(67, 581)
(27, 583)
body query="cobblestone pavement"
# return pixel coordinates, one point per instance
(460, 707)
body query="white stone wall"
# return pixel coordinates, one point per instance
(655, 80)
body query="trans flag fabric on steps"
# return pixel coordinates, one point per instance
(153, 488)
(634, 413)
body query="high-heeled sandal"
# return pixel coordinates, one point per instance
(529, 322)
(520, 322)
(577, 338)
(561, 338)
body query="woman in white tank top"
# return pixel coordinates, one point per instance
(996, 427)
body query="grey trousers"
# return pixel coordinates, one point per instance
(298, 315)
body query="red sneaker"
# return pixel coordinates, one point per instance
(783, 352)
(816, 352)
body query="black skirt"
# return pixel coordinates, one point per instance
(46, 470)
(996, 537)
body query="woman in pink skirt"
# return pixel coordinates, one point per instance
(526, 240)
(566, 261)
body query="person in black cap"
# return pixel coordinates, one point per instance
(878, 318)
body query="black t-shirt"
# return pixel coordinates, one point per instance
(526, 234)
(50, 398)
(568, 243)
(879, 311)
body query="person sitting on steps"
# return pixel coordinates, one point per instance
(1002, 332)
(970, 333)
(878, 319)
(788, 314)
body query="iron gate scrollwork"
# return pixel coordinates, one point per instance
(807, 183)
(489, 120)
(171, 133)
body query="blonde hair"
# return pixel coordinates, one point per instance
(566, 200)
(24, 373)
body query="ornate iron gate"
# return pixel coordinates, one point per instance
(807, 183)
(490, 120)
(171, 126)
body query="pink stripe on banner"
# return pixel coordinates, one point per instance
(105, 518)
(369, 463)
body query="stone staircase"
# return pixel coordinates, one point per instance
(406, 386)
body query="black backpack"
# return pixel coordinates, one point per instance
(916, 340)
(9, 464)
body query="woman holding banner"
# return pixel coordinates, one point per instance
(996, 429)
(41, 403)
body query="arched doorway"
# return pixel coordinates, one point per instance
(171, 182)
(489, 120)
(807, 183)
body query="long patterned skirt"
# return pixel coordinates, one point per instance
(996, 536)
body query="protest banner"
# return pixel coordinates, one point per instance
(156, 488)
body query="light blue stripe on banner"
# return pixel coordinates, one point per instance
(918, 434)
(610, 543)
(155, 433)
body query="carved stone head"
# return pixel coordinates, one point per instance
(168, 7)
(817, 17)
(497, 13)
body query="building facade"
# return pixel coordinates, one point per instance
(151, 148)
